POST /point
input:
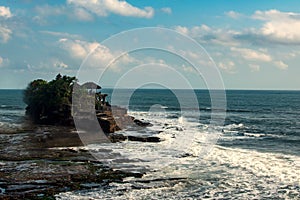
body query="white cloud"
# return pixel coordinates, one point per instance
(277, 28)
(86, 10)
(47, 10)
(80, 49)
(258, 56)
(182, 30)
(5, 12)
(254, 67)
(104, 7)
(3, 62)
(191, 55)
(281, 65)
(82, 14)
(282, 27)
(250, 54)
(100, 55)
(61, 34)
(150, 59)
(167, 10)
(5, 34)
(48, 65)
(228, 66)
(233, 14)
(197, 30)
(206, 34)
(189, 69)
(42, 12)
(60, 64)
(272, 15)
(72, 12)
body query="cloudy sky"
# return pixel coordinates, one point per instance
(254, 44)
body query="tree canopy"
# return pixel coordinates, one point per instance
(50, 102)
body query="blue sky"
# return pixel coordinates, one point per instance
(254, 44)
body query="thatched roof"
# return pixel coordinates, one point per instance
(91, 85)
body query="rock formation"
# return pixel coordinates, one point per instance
(50, 103)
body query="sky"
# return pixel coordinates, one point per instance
(248, 44)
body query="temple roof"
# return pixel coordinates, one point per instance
(91, 85)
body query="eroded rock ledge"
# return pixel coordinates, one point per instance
(32, 167)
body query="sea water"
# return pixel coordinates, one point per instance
(256, 154)
(12, 110)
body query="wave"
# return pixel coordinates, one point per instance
(234, 126)
(255, 135)
(11, 107)
(239, 110)
(8, 127)
(223, 174)
(13, 116)
(282, 138)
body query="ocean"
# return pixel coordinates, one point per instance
(255, 154)
(12, 110)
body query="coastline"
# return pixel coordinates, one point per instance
(46, 166)
(253, 159)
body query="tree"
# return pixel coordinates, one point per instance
(50, 102)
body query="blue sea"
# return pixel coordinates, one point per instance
(254, 154)
(12, 110)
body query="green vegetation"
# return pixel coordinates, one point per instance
(50, 102)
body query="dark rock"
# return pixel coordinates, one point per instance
(119, 138)
(142, 123)
(33, 169)
(144, 139)
(185, 155)
(108, 124)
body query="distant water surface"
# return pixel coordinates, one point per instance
(257, 155)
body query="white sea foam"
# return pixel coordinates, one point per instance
(8, 127)
(225, 173)
(222, 173)
(256, 135)
(233, 126)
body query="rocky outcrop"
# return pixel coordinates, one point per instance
(116, 119)
(119, 138)
(142, 123)
(39, 164)
(63, 100)
(108, 124)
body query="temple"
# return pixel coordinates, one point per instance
(93, 89)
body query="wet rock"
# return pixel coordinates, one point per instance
(119, 138)
(144, 139)
(142, 123)
(185, 155)
(108, 124)
(38, 169)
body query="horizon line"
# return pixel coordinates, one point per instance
(226, 89)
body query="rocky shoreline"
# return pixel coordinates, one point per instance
(43, 159)
(34, 167)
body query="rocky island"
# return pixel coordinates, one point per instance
(50, 103)
(40, 160)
